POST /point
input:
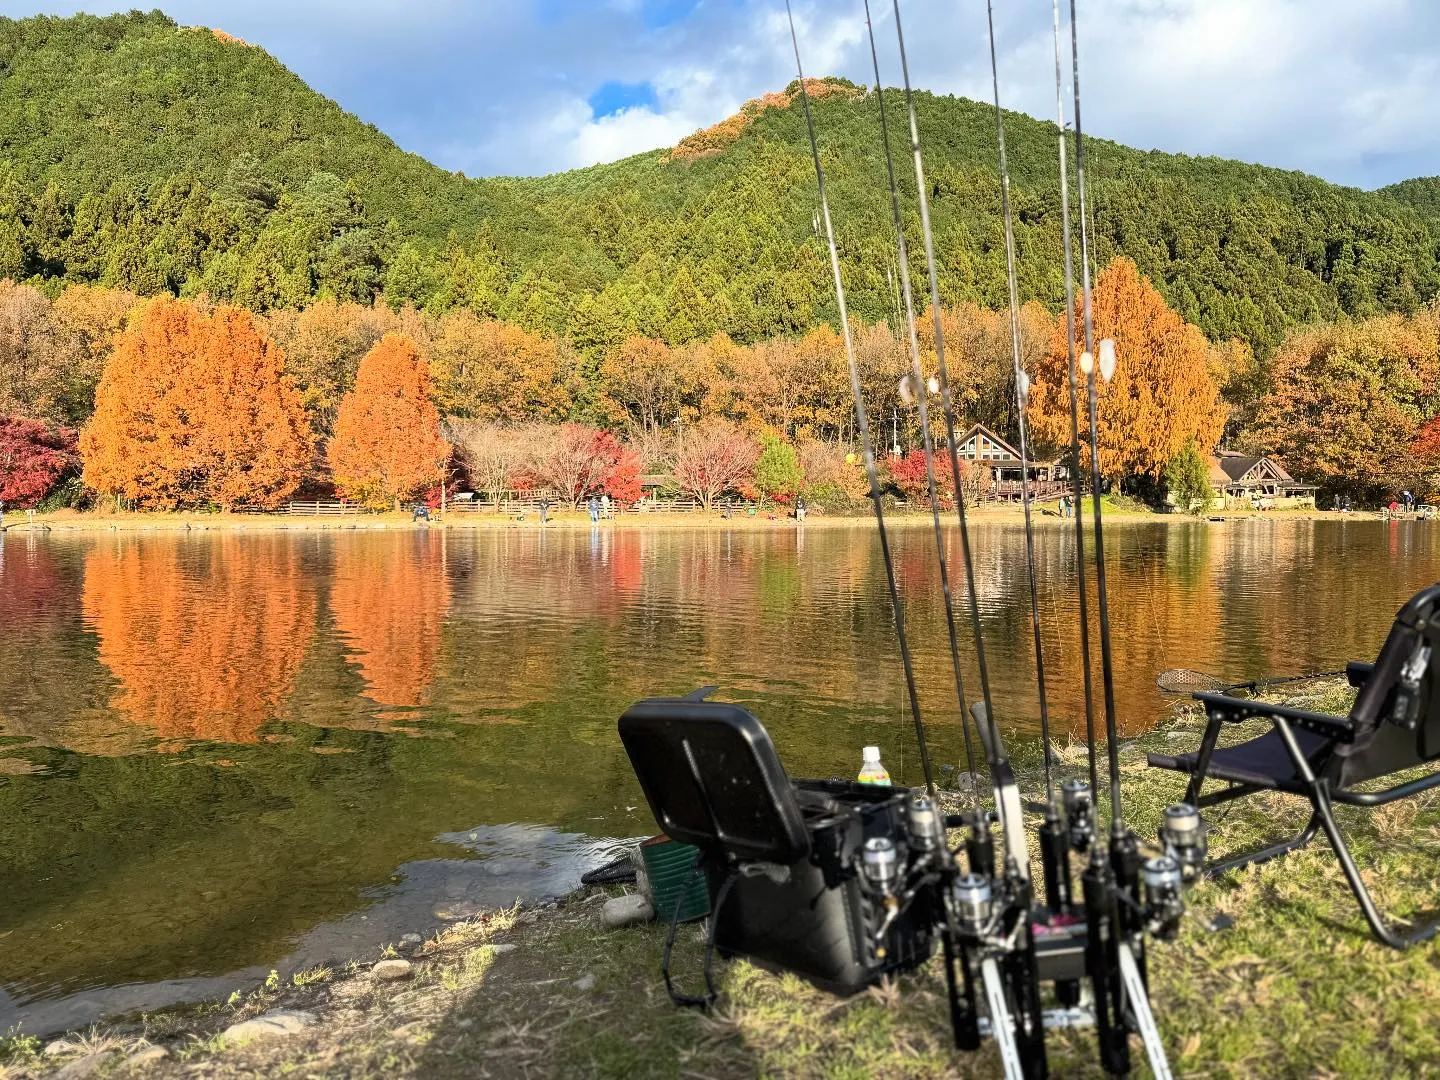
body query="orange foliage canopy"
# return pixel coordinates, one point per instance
(387, 445)
(203, 648)
(193, 409)
(712, 140)
(1162, 395)
(494, 370)
(1345, 402)
(389, 598)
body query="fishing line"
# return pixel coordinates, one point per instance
(1107, 673)
(903, 272)
(1022, 399)
(861, 420)
(947, 403)
(1076, 475)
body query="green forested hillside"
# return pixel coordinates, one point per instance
(88, 101)
(1423, 193)
(147, 156)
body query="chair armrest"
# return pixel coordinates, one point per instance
(1357, 673)
(1234, 710)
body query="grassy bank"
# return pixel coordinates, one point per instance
(1296, 988)
(70, 521)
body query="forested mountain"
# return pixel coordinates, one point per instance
(1423, 193)
(147, 156)
(86, 102)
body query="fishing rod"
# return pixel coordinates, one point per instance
(1009, 969)
(1088, 365)
(862, 422)
(1076, 473)
(1100, 886)
(919, 389)
(1114, 888)
(1068, 827)
(992, 743)
(1022, 400)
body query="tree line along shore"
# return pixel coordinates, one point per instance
(115, 402)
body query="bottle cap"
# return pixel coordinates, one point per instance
(871, 753)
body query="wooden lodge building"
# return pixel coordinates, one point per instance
(1255, 479)
(981, 445)
(1237, 478)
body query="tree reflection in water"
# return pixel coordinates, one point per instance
(204, 639)
(389, 594)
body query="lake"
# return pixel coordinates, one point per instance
(224, 752)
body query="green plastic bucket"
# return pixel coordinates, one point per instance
(669, 866)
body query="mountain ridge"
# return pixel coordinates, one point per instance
(143, 154)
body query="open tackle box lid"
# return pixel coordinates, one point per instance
(713, 779)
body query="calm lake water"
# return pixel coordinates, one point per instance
(224, 752)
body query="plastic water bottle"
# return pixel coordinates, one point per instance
(871, 770)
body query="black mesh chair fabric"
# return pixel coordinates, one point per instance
(1263, 762)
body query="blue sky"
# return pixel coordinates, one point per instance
(1341, 88)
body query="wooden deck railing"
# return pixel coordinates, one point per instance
(1039, 489)
(323, 508)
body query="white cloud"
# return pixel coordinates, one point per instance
(626, 132)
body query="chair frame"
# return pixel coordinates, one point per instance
(1314, 780)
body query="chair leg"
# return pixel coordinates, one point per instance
(1264, 855)
(1320, 800)
(1202, 761)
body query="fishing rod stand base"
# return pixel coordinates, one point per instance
(1060, 1018)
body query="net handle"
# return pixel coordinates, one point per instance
(1189, 681)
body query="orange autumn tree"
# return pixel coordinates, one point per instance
(1345, 404)
(387, 445)
(194, 409)
(1163, 393)
(492, 370)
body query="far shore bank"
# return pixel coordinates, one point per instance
(67, 521)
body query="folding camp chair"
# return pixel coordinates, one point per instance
(1393, 726)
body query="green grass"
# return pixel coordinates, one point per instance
(16, 1049)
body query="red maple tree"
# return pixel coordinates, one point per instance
(578, 461)
(908, 474)
(714, 457)
(33, 458)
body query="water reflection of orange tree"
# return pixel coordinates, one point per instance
(389, 596)
(205, 639)
(1166, 611)
(1164, 605)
